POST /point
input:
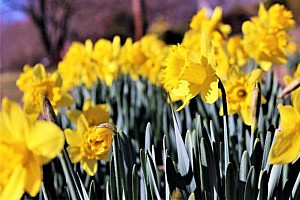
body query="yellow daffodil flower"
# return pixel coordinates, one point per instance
(144, 58)
(201, 22)
(106, 55)
(286, 147)
(188, 73)
(237, 55)
(95, 114)
(88, 144)
(265, 36)
(40, 85)
(25, 145)
(239, 89)
(78, 67)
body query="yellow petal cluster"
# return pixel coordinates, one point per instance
(239, 89)
(86, 63)
(201, 22)
(106, 55)
(286, 147)
(88, 144)
(228, 53)
(266, 37)
(25, 145)
(188, 73)
(95, 114)
(144, 58)
(36, 84)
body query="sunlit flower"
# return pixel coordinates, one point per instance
(239, 89)
(88, 144)
(202, 22)
(188, 73)
(25, 146)
(144, 58)
(265, 36)
(106, 56)
(78, 67)
(286, 147)
(40, 85)
(95, 114)
(237, 55)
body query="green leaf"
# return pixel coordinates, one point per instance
(230, 188)
(274, 179)
(135, 183)
(251, 185)
(183, 159)
(263, 185)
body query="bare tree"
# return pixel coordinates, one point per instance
(52, 18)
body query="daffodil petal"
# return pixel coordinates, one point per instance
(82, 124)
(288, 119)
(209, 92)
(73, 137)
(74, 153)
(90, 166)
(33, 176)
(285, 148)
(245, 114)
(255, 76)
(66, 100)
(296, 100)
(73, 115)
(13, 121)
(14, 189)
(46, 140)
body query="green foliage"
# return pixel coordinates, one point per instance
(162, 154)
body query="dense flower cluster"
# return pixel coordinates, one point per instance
(36, 84)
(266, 37)
(208, 57)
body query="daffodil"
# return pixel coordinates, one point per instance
(25, 146)
(266, 38)
(188, 73)
(95, 114)
(286, 147)
(237, 55)
(202, 22)
(144, 58)
(106, 56)
(40, 85)
(216, 31)
(78, 67)
(239, 89)
(88, 144)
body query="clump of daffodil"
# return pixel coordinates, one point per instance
(286, 147)
(202, 22)
(36, 84)
(144, 58)
(95, 114)
(78, 67)
(237, 55)
(188, 73)
(25, 146)
(216, 31)
(88, 144)
(106, 56)
(266, 37)
(239, 88)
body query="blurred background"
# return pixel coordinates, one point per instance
(35, 31)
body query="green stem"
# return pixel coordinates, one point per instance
(225, 120)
